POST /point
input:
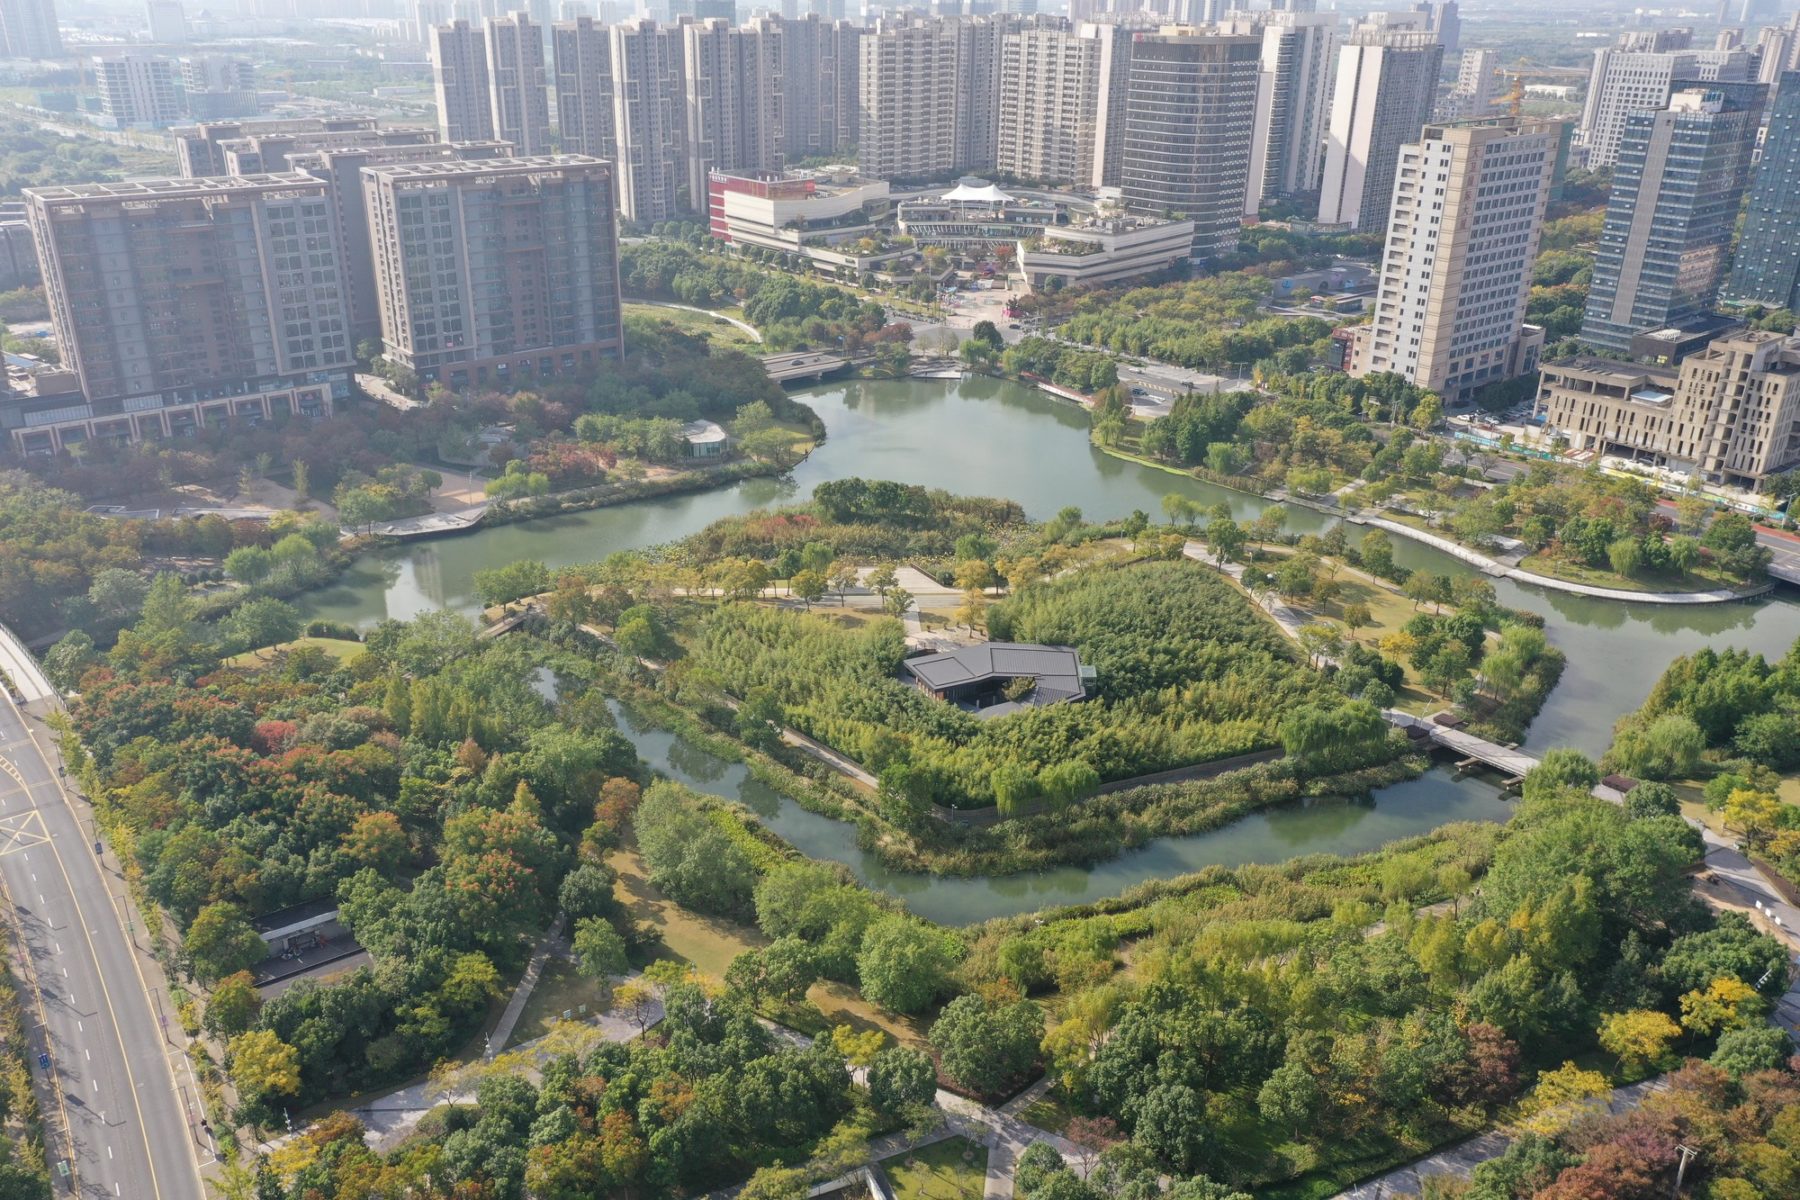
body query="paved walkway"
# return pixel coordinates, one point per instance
(1464, 1157)
(1730, 881)
(1493, 566)
(551, 943)
(746, 326)
(1288, 618)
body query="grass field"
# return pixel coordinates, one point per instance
(709, 944)
(953, 1169)
(339, 648)
(719, 333)
(559, 989)
(1699, 581)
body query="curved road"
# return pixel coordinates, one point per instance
(131, 1129)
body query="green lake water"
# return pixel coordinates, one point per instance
(993, 437)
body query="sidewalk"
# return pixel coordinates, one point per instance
(1493, 566)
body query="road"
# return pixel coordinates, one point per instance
(112, 1074)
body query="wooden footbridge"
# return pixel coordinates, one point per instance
(1441, 730)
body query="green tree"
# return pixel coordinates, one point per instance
(809, 585)
(904, 964)
(221, 941)
(599, 950)
(232, 1007)
(985, 1046)
(901, 1078)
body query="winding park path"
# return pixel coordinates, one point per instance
(745, 326)
(1493, 566)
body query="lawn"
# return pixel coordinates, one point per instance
(1699, 581)
(953, 1169)
(1389, 610)
(709, 944)
(714, 330)
(559, 989)
(341, 649)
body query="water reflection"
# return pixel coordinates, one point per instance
(993, 437)
(1338, 825)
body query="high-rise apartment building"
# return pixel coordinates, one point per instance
(1049, 95)
(1293, 101)
(182, 303)
(931, 95)
(340, 168)
(649, 121)
(909, 86)
(459, 68)
(217, 73)
(1730, 413)
(1676, 189)
(733, 98)
(1463, 229)
(979, 43)
(137, 91)
(1189, 113)
(28, 29)
(515, 63)
(1777, 50)
(1473, 96)
(1627, 80)
(819, 64)
(167, 23)
(582, 52)
(1386, 83)
(496, 272)
(1766, 269)
(1116, 41)
(259, 147)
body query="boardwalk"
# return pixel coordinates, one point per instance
(1512, 763)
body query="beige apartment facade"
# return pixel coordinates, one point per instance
(1730, 412)
(495, 273)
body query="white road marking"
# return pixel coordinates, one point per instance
(88, 1054)
(109, 1152)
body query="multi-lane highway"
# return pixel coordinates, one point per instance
(132, 1130)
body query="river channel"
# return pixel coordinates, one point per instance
(996, 438)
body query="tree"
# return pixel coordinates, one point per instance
(262, 1065)
(900, 1078)
(1754, 814)
(221, 941)
(904, 964)
(1357, 616)
(599, 950)
(1638, 1038)
(1625, 556)
(69, 659)
(896, 602)
(249, 565)
(809, 585)
(882, 580)
(1226, 537)
(777, 1183)
(1289, 1097)
(1668, 747)
(1725, 1003)
(1559, 770)
(1753, 1048)
(264, 621)
(1172, 1125)
(233, 1005)
(1428, 411)
(842, 577)
(986, 1046)
(1320, 640)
